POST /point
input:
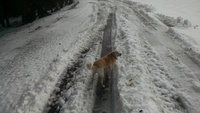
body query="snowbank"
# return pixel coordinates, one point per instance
(143, 84)
(190, 46)
(80, 97)
(151, 78)
(172, 22)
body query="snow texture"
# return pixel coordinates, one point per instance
(158, 69)
(33, 58)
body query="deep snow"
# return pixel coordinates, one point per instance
(158, 70)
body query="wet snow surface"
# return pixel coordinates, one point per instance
(42, 64)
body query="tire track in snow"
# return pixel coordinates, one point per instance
(162, 88)
(65, 83)
(77, 69)
(107, 100)
(181, 67)
(145, 71)
(145, 18)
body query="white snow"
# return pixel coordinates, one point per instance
(142, 80)
(158, 69)
(188, 9)
(152, 74)
(185, 11)
(33, 58)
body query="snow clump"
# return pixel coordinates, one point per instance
(174, 22)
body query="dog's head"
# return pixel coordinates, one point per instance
(116, 53)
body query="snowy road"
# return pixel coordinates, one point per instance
(158, 71)
(33, 58)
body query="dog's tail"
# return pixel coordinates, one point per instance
(89, 65)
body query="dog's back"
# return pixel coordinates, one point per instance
(105, 61)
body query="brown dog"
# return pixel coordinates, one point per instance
(106, 61)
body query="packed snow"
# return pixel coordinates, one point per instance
(158, 70)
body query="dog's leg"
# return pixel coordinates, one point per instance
(102, 77)
(110, 70)
(90, 85)
(94, 72)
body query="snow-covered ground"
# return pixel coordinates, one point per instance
(153, 64)
(157, 72)
(33, 58)
(178, 11)
(187, 9)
